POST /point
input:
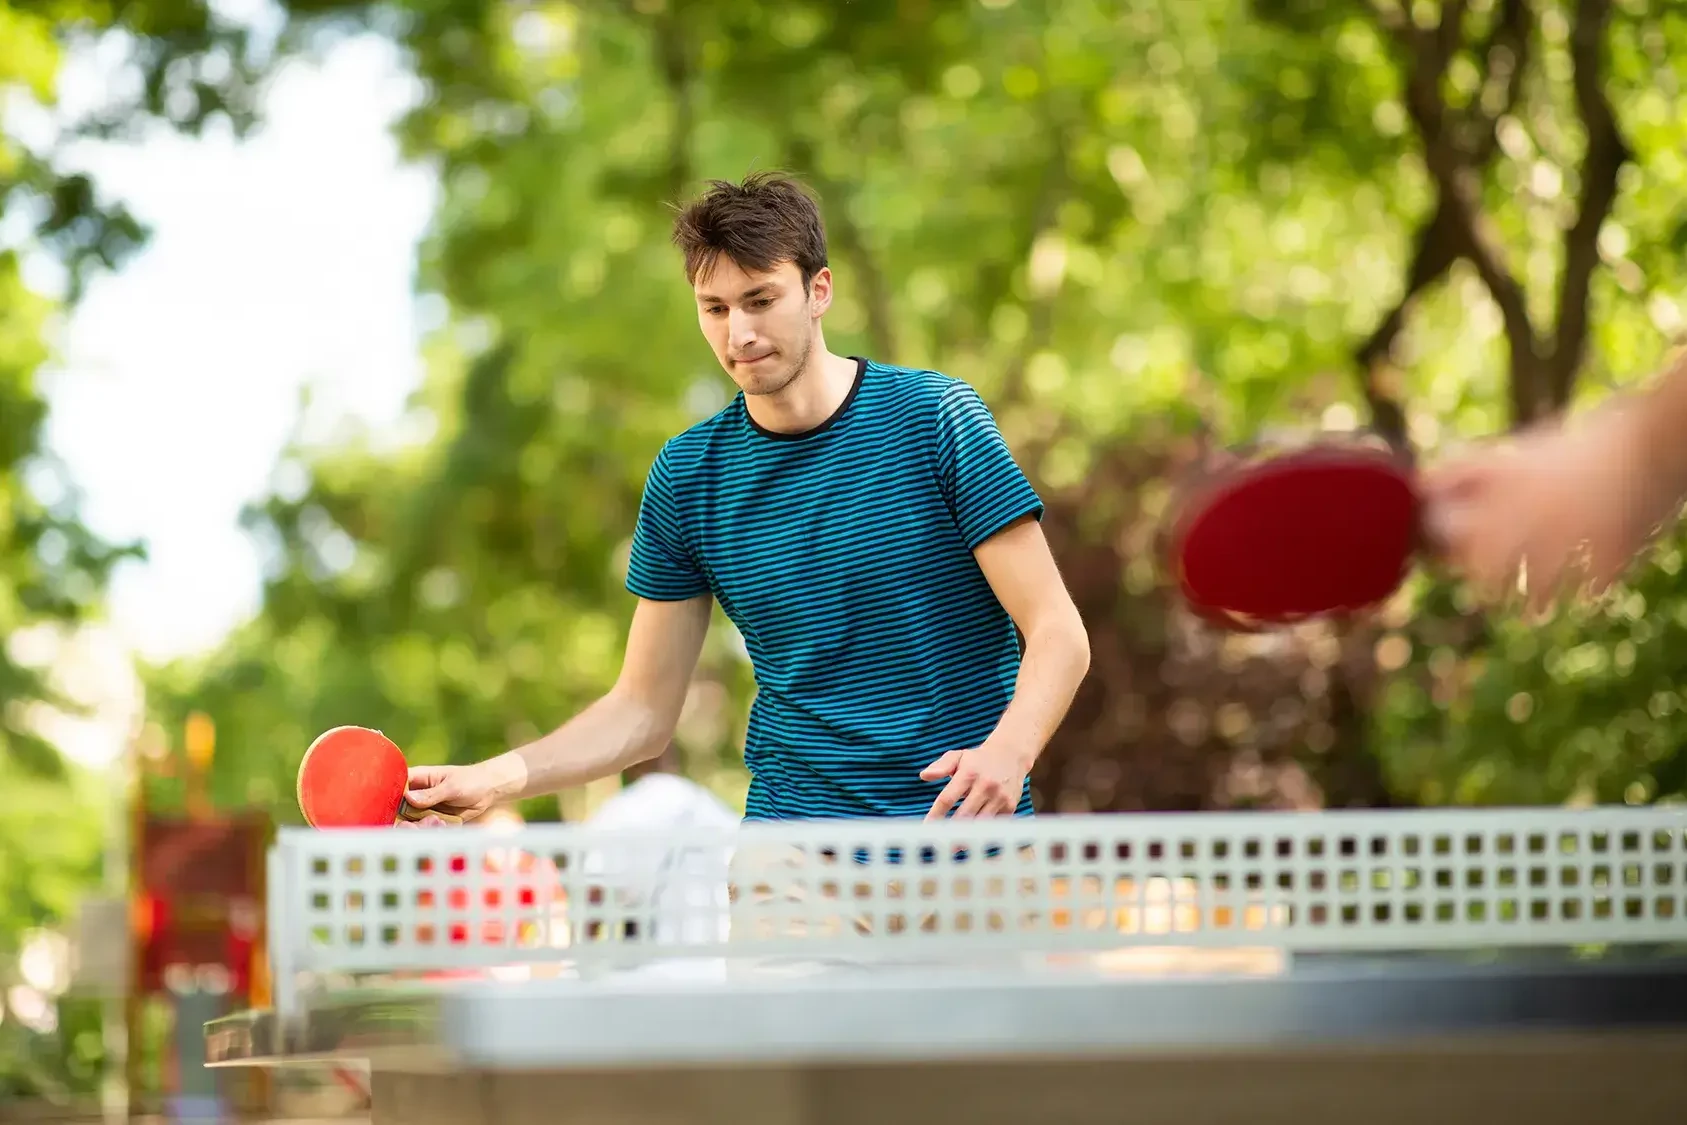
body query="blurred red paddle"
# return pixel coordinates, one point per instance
(1324, 531)
(354, 777)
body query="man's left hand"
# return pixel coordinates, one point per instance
(986, 781)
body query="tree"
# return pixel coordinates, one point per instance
(1137, 228)
(189, 69)
(1545, 133)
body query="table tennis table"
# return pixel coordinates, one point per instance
(1515, 965)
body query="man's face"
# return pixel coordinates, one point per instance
(761, 325)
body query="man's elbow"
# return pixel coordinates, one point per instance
(1064, 637)
(1078, 637)
(646, 748)
(655, 736)
(649, 725)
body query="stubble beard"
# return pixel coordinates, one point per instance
(779, 381)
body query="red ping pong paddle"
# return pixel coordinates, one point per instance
(354, 777)
(1323, 531)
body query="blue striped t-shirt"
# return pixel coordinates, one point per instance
(843, 554)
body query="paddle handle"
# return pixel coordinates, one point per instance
(448, 813)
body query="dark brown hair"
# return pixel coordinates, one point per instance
(766, 220)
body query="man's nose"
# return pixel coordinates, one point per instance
(742, 330)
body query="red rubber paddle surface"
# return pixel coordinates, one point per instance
(1308, 534)
(352, 777)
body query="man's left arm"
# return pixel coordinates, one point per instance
(988, 780)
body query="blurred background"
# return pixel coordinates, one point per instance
(336, 339)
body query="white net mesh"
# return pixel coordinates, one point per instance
(438, 902)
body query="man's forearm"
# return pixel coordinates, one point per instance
(1057, 657)
(614, 733)
(1663, 418)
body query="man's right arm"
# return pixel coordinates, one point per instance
(631, 723)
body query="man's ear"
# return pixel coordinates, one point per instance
(820, 292)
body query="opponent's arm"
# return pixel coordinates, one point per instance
(1662, 419)
(1021, 570)
(1564, 506)
(631, 723)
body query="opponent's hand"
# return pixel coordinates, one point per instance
(986, 781)
(1551, 509)
(469, 791)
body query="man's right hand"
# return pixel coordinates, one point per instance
(469, 791)
(629, 724)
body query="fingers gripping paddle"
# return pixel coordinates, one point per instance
(1324, 531)
(354, 777)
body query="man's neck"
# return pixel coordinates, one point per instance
(809, 399)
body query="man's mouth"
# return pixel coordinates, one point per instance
(753, 358)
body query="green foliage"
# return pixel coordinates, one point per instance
(53, 570)
(1120, 221)
(50, 856)
(1585, 706)
(51, 840)
(1127, 222)
(63, 1066)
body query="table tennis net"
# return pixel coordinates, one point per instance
(579, 899)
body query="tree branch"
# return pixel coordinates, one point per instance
(1505, 54)
(1480, 245)
(1601, 164)
(1457, 187)
(1450, 33)
(1435, 46)
(1437, 250)
(1438, 244)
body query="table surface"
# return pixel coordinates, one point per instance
(841, 1014)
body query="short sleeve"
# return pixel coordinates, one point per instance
(984, 485)
(662, 567)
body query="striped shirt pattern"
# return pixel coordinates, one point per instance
(843, 554)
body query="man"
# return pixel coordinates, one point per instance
(866, 529)
(1565, 504)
